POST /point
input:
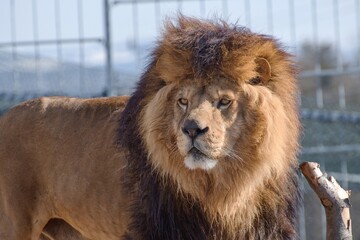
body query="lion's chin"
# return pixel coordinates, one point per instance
(197, 160)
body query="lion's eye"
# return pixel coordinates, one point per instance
(224, 103)
(255, 81)
(183, 102)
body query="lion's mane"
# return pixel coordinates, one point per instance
(256, 198)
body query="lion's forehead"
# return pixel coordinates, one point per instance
(215, 89)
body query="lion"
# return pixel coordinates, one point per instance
(204, 148)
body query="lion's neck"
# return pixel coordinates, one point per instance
(197, 207)
(230, 201)
(223, 196)
(182, 204)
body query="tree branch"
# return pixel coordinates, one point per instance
(334, 199)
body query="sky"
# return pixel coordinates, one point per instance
(290, 21)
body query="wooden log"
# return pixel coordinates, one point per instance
(334, 199)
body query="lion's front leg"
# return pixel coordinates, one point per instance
(16, 224)
(24, 207)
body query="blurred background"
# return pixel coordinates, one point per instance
(98, 48)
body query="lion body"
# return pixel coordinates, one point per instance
(205, 148)
(58, 159)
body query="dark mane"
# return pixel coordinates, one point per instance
(210, 45)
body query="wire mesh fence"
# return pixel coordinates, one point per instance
(99, 47)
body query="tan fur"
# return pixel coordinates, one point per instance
(59, 157)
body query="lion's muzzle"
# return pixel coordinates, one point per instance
(195, 158)
(192, 129)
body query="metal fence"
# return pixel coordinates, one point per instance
(98, 47)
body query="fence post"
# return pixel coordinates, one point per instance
(107, 44)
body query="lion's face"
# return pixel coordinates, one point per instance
(219, 106)
(206, 122)
(216, 122)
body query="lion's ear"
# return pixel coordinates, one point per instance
(263, 68)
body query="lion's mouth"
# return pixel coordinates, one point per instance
(197, 159)
(197, 154)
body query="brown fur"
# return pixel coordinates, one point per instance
(61, 153)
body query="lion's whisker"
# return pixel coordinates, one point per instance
(233, 155)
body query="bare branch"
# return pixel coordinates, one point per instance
(334, 199)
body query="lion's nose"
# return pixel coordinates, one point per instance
(192, 129)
